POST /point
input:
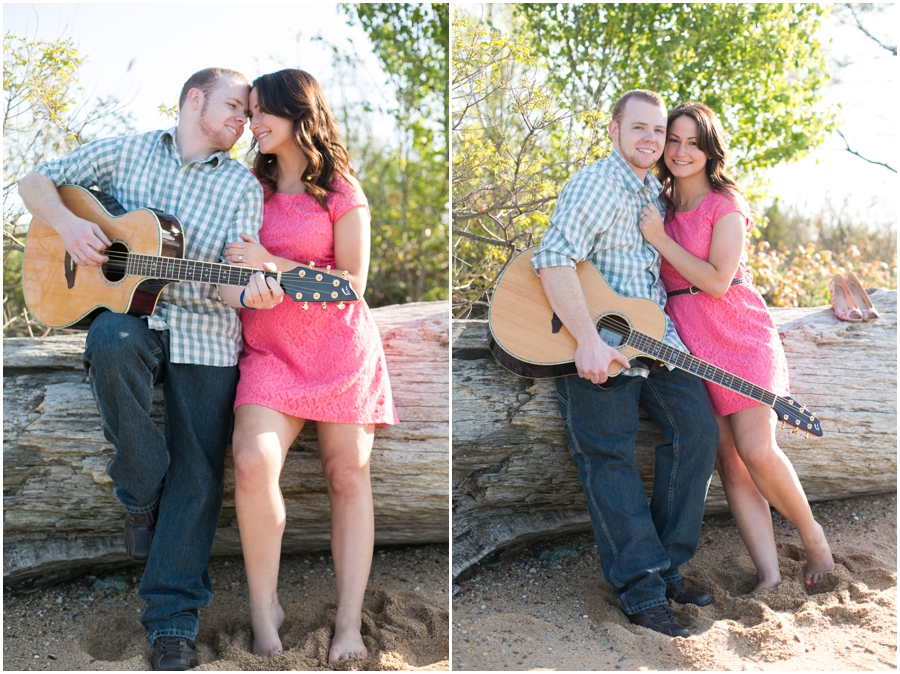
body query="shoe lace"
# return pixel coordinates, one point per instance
(168, 643)
(661, 611)
(142, 521)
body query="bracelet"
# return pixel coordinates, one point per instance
(242, 301)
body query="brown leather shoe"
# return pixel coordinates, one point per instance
(659, 619)
(677, 592)
(139, 529)
(174, 654)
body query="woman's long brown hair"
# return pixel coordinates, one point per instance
(295, 95)
(711, 141)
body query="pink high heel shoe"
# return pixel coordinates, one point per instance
(869, 313)
(842, 300)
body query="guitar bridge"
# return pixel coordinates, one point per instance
(69, 270)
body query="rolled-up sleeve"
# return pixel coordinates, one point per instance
(91, 165)
(248, 215)
(584, 210)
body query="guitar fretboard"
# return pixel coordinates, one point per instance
(685, 361)
(174, 269)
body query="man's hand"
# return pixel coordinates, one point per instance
(593, 360)
(84, 241)
(262, 292)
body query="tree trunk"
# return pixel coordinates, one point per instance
(60, 514)
(514, 480)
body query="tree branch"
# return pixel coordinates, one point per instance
(871, 161)
(483, 239)
(862, 29)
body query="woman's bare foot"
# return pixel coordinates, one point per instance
(347, 644)
(265, 631)
(819, 562)
(768, 582)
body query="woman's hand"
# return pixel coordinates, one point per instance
(262, 292)
(247, 253)
(651, 225)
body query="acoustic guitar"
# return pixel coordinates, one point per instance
(528, 339)
(147, 253)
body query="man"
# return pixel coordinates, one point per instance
(641, 545)
(169, 482)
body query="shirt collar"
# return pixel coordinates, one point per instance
(632, 182)
(216, 159)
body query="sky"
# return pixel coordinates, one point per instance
(144, 53)
(866, 90)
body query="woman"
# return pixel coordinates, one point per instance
(727, 324)
(306, 365)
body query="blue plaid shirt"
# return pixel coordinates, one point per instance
(215, 199)
(596, 219)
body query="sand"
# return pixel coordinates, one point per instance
(525, 613)
(75, 626)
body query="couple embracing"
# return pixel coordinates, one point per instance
(676, 237)
(230, 357)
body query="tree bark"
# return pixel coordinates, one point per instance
(60, 514)
(514, 480)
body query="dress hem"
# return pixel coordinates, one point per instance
(394, 422)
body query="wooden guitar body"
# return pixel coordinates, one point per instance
(523, 323)
(60, 294)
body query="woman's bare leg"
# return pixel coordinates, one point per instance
(774, 476)
(749, 508)
(346, 449)
(260, 443)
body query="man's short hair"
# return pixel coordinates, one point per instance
(206, 80)
(641, 94)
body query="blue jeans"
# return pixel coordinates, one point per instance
(180, 470)
(641, 545)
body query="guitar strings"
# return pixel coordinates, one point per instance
(657, 349)
(119, 261)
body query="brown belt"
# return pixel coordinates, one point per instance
(693, 290)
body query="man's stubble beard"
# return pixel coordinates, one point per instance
(223, 140)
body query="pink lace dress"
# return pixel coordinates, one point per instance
(733, 332)
(316, 365)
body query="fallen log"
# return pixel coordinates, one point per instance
(514, 480)
(60, 514)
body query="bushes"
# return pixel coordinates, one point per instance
(799, 277)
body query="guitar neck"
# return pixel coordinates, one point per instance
(176, 269)
(700, 368)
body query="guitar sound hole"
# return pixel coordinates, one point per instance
(114, 269)
(613, 329)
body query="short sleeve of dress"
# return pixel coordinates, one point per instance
(729, 202)
(347, 195)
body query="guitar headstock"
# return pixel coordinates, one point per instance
(308, 284)
(791, 412)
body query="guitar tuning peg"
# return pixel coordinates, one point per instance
(344, 274)
(341, 306)
(807, 435)
(304, 306)
(782, 425)
(796, 431)
(324, 306)
(327, 267)
(312, 265)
